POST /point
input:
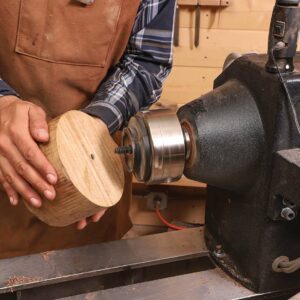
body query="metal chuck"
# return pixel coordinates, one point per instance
(155, 146)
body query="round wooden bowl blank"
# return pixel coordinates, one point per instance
(90, 174)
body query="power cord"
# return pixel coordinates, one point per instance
(283, 264)
(164, 221)
(168, 224)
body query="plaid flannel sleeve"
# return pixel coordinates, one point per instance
(136, 81)
(6, 90)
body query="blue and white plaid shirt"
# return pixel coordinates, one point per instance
(136, 82)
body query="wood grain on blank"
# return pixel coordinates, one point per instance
(91, 175)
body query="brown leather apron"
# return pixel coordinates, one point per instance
(56, 53)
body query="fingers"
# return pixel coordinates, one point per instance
(34, 156)
(11, 193)
(19, 184)
(95, 218)
(26, 171)
(22, 124)
(38, 124)
(81, 224)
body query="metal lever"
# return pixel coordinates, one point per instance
(177, 26)
(283, 36)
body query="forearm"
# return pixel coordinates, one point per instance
(130, 88)
(136, 82)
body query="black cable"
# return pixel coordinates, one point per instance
(291, 104)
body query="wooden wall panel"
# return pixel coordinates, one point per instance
(223, 19)
(242, 27)
(186, 84)
(244, 20)
(251, 5)
(215, 45)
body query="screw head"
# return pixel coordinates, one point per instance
(288, 214)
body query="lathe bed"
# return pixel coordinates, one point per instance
(172, 265)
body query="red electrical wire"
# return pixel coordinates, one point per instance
(172, 226)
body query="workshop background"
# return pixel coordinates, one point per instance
(240, 27)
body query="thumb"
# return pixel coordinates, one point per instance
(38, 124)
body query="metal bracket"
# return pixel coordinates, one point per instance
(154, 199)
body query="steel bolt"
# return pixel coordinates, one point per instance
(219, 248)
(288, 214)
(218, 252)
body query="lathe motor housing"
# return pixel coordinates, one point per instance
(246, 147)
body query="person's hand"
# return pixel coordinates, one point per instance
(24, 169)
(95, 218)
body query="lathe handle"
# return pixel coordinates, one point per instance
(283, 36)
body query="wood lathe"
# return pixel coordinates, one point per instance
(243, 140)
